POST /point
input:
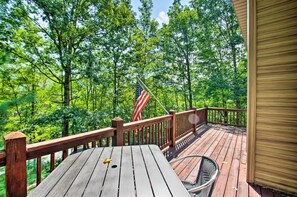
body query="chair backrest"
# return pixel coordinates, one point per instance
(207, 176)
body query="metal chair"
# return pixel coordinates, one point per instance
(206, 177)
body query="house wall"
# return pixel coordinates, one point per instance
(272, 92)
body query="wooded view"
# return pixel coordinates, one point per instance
(70, 66)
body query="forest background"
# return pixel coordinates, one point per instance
(70, 66)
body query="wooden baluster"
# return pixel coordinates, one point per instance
(158, 134)
(75, 149)
(173, 128)
(161, 133)
(52, 165)
(153, 133)
(147, 135)
(100, 143)
(38, 171)
(134, 139)
(108, 141)
(129, 137)
(167, 132)
(206, 115)
(194, 119)
(93, 144)
(16, 172)
(142, 135)
(138, 142)
(65, 154)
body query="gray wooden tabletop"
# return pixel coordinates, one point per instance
(133, 171)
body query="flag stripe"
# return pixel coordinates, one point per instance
(142, 98)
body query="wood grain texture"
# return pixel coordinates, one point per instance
(46, 185)
(127, 181)
(95, 183)
(81, 181)
(156, 178)
(15, 146)
(235, 171)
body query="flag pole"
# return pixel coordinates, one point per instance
(145, 87)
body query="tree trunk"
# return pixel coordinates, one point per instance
(114, 101)
(189, 83)
(66, 100)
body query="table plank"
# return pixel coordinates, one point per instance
(142, 181)
(127, 187)
(173, 182)
(157, 181)
(111, 183)
(94, 186)
(78, 186)
(47, 184)
(65, 182)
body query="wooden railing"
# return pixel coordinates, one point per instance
(188, 121)
(164, 131)
(228, 117)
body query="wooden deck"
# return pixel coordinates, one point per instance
(227, 145)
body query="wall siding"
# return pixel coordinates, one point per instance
(276, 94)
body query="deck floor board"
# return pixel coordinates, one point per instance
(227, 145)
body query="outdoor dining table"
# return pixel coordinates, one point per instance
(140, 170)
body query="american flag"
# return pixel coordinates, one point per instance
(142, 98)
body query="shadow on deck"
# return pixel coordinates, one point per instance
(227, 145)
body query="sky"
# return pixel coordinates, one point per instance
(160, 9)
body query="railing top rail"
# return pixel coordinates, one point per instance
(226, 109)
(141, 123)
(189, 111)
(59, 144)
(184, 112)
(2, 158)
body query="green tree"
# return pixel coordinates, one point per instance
(53, 36)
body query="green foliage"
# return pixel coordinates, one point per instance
(68, 67)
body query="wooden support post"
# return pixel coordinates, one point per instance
(16, 174)
(194, 119)
(173, 128)
(206, 114)
(118, 138)
(225, 117)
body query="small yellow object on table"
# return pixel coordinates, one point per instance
(106, 161)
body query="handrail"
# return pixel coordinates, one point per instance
(143, 123)
(226, 116)
(226, 109)
(59, 144)
(185, 112)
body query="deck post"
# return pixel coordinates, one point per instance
(173, 128)
(206, 114)
(118, 138)
(16, 174)
(195, 119)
